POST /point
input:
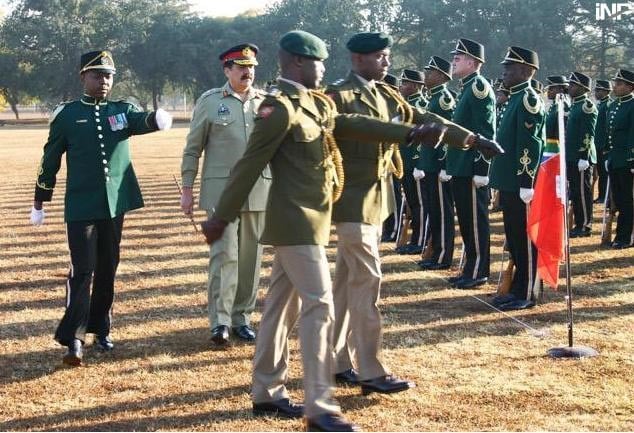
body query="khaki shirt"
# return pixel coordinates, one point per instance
(220, 128)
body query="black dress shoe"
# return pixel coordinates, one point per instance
(220, 335)
(425, 264)
(244, 332)
(439, 266)
(385, 385)
(329, 422)
(454, 280)
(503, 299)
(470, 283)
(519, 304)
(577, 232)
(619, 245)
(388, 238)
(103, 342)
(74, 355)
(279, 408)
(348, 377)
(410, 249)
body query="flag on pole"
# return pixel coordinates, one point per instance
(545, 222)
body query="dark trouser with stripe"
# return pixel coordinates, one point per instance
(472, 208)
(391, 223)
(622, 184)
(94, 252)
(581, 195)
(411, 195)
(441, 217)
(603, 176)
(521, 249)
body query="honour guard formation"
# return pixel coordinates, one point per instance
(376, 157)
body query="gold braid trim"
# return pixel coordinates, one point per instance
(407, 115)
(332, 154)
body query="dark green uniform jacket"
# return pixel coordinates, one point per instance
(100, 180)
(475, 110)
(442, 103)
(521, 136)
(621, 132)
(289, 133)
(601, 130)
(552, 126)
(580, 131)
(364, 194)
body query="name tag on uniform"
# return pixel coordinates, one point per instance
(118, 122)
(81, 121)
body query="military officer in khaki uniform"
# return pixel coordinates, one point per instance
(364, 204)
(295, 131)
(521, 133)
(101, 187)
(580, 152)
(222, 122)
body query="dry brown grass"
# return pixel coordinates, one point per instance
(475, 368)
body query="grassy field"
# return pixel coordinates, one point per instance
(476, 369)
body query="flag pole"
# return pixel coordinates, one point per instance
(570, 351)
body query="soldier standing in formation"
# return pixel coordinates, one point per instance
(620, 147)
(602, 89)
(101, 187)
(221, 124)
(580, 153)
(469, 171)
(555, 85)
(295, 131)
(513, 173)
(436, 195)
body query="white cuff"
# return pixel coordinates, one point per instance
(526, 194)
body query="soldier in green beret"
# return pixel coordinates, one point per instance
(296, 129)
(220, 126)
(580, 152)
(101, 187)
(364, 204)
(436, 195)
(411, 88)
(602, 89)
(555, 85)
(469, 171)
(620, 147)
(513, 173)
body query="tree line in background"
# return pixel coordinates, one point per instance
(161, 47)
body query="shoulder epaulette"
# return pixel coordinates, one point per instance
(531, 101)
(210, 92)
(588, 107)
(446, 101)
(480, 87)
(129, 102)
(57, 110)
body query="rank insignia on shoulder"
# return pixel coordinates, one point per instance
(265, 111)
(446, 102)
(588, 107)
(531, 103)
(480, 89)
(56, 111)
(118, 122)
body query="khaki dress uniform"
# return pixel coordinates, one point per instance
(291, 132)
(220, 128)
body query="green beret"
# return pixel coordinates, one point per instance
(369, 42)
(304, 44)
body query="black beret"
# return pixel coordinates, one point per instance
(369, 42)
(304, 44)
(97, 60)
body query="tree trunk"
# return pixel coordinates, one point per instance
(155, 97)
(14, 108)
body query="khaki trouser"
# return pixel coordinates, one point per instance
(234, 271)
(300, 288)
(357, 332)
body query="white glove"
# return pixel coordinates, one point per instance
(632, 170)
(418, 174)
(583, 165)
(443, 176)
(480, 181)
(37, 217)
(526, 194)
(163, 119)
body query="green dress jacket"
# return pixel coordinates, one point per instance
(522, 138)
(475, 110)
(601, 130)
(100, 179)
(552, 126)
(443, 104)
(582, 120)
(621, 132)
(289, 134)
